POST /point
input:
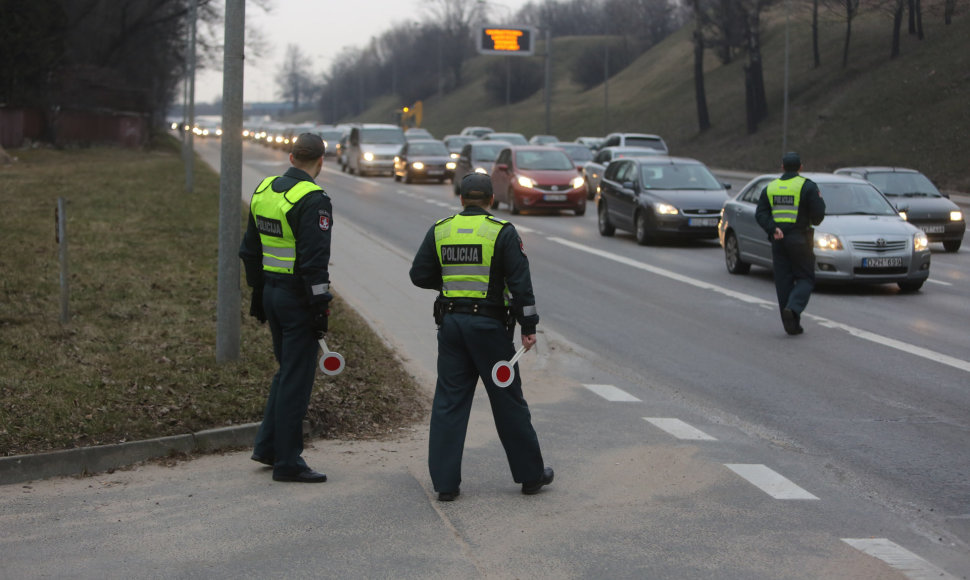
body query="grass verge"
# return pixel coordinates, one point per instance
(137, 358)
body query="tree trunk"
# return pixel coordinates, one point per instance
(949, 6)
(703, 118)
(848, 33)
(919, 19)
(897, 24)
(815, 54)
(760, 102)
(912, 15)
(750, 113)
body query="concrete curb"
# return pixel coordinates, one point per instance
(21, 468)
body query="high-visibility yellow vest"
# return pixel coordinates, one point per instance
(465, 246)
(269, 209)
(784, 195)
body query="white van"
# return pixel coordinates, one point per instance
(372, 147)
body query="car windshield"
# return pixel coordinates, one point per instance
(678, 176)
(854, 199)
(649, 142)
(331, 136)
(579, 154)
(513, 138)
(905, 184)
(432, 148)
(456, 143)
(382, 136)
(486, 152)
(554, 159)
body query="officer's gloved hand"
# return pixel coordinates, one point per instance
(320, 312)
(256, 305)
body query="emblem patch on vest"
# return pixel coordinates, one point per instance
(461, 254)
(269, 227)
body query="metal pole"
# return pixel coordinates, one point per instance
(784, 123)
(61, 219)
(230, 184)
(548, 79)
(190, 150)
(606, 89)
(508, 92)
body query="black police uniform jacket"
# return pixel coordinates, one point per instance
(311, 220)
(510, 268)
(811, 209)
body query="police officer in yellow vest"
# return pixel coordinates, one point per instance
(478, 264)
(788, 208)
(286, 252)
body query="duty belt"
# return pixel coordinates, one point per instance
(490, 310)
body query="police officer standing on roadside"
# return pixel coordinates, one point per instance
(787, 209)
(478, 264)
(286, 252)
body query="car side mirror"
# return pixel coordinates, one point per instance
(726, 185)
(501, 167)
(629, 185)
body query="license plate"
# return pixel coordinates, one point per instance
(554, 197)
(435, 172)
(887, 262)
(932, 229)
(702, 222)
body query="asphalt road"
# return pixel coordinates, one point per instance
(691, 437)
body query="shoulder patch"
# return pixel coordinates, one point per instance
(324, 220)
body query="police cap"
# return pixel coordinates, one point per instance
(308, 147)
(476, 186)
(791, 161)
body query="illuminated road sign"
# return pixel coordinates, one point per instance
(508, 40)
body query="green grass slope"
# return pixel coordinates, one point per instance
(912, 111)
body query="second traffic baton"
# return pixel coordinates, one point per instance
(331, 363)
(503, 373)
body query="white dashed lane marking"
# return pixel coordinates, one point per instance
(679, 429)
(611, 393)
(769, 481)
(911, 565)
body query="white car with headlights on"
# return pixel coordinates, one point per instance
(862, 240)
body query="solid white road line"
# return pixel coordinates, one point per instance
(679, 429)
(611, 393)
(769, 481)
(911, 565)
(857, 332)
(940, 282)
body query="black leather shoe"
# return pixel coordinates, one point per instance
(305, 476)
(790, 321)
(449, 495)
(532, 487)
(264, 460)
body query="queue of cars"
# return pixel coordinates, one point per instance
(878, 226)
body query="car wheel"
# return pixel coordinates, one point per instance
(513, 207)
(590, 192)
(581, 210)
(407, 177)
(397, 177)
(732, 255)
(910, 286)
(642, 229)
(952, 245)
(603, 221)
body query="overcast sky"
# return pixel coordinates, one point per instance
(321, 28)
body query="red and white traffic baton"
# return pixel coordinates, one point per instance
(331, 363)
(503, 373)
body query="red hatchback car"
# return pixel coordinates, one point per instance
(537, 177)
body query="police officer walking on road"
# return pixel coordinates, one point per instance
(477, 263)
(787, 209)
(286, 252)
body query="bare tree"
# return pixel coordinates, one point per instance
(700, 94)
(293, 79)
(851, 9)
(456, 19)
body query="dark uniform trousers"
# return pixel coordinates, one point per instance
(469, 345)
(295, 346)
(793, 259)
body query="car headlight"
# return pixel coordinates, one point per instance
(577, 182)
(666, 209)
(526, 181)
(920, 241)
(450, 165)
(825, 241)
(481, 170)
(454, 156)
(417, 165)
(368, 156)
(218, 132)
(956, 216)
(903, 215)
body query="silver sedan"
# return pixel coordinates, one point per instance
(862, 240)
